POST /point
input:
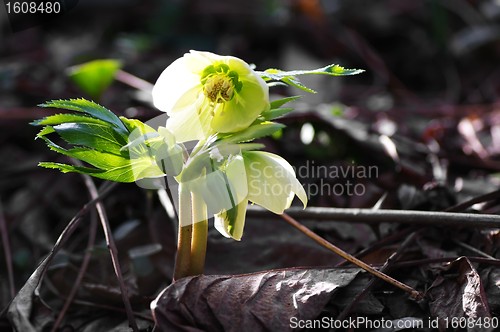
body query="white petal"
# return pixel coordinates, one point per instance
(175, 81)
(193, 123)
(167, 136)
(221, 195)
(197, 61)
(236, 174)
(271, 181)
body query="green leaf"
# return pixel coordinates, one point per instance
(101, 140)
(148, 140)
(332, 70)
(126, 172)
(123, 174)
(70, 168)
(275, 83)
(94, 77)
(45, 131)
(144, 141)
(276, 110)
(133, 124)
(89, 107)
(255, 131)
(289, 77)
(67, 118)
(96, 136)
(280, 102)
(95, 158)
(293, 81)
(275, 113)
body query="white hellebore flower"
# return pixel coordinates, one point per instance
(260, 177)
(204, 93)
(271, 181)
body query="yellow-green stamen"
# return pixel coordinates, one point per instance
(219, 88)
(220, 83)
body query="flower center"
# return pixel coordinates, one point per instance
(219, 88)
(220, 83)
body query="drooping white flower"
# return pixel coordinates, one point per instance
(271, 181)
(259, 177)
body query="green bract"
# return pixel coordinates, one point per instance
(204, 93)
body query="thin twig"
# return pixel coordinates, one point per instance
(380, 243)
(81, 272)
(472, 249)
(384, 269)
(418, 262)
(478, 199)
(370, 216)
(27, 289)
(113, 250)
(112, 308)
(133, 81)
(318, 239)
(7, 252)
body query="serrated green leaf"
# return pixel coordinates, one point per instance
(45, 131)
(148, 139)
(275, 113)
(94, 77)
(95, 136)
(144, 143)
(130, 172)
(253, 132)
(57, 119)
(123, 174)
(286, 77)
(293, 81)
(95, 158)
(332, 70)
(278, 134)
(275, 83)
(100, 137)
(133, 124)
(337, 70)
(89, 107)
(280, 102)
(65, 168)
(290, 77)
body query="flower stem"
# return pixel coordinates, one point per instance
(183, 256)
(200, 235)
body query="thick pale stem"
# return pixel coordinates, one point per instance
(200, 235)
(182, 259)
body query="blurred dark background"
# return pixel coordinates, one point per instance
(432, 52)
(432, 86)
